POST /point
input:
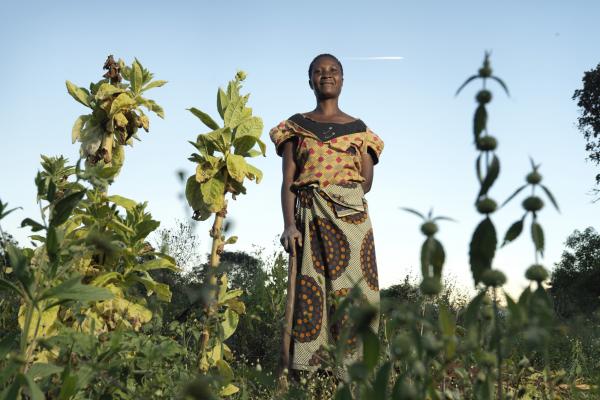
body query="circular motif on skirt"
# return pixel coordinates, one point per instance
(305, 196)
(368, 262)
(330, 248)
(308, 315)
(336, 327)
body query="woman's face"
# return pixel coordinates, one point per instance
(326, 78)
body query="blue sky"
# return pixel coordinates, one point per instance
(540, 48)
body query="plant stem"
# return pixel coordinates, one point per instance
(498, 348)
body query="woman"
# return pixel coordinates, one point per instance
(328, 159)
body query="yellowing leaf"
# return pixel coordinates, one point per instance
(79, 94)
(106, 90)
(123, 102)
(253, 173)
(229, 390)
(213, 193)
(237, 167)
(153, 84)
(225, 370)
(136, 79)
(77, 126)
(120, 120)
(237, 305)
(145, 122)
(252, 126)
(230, 323)
(43, 323)
(124, 202)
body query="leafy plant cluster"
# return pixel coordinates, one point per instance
(92, 304)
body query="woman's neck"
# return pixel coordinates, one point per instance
(327, 108)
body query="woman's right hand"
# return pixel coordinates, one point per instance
(289, 237)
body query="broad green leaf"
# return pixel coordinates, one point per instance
(213, 193)
(208, 167)
(42, 370)
(490, 178)
(252, 126)
(205, 118)
(225, 371)
(105, 278)
(222, 102)
(237, 167)
(236, 112)
(152, 106)
(230, 323)
(243, 144)
(63, 209)
(124, 202)
(370, 349)
(106, 90)
(513, 232)
(482, 248)
(144, 228)
(137, 78)
(194, 197)
(79, 94)
(154, 84)
(73, 289)
(237, 305)
(76, 131)
(537, 234)
(162, 290)
(35, 226)
(381, 383)
(229, 294)
(479, 121)
(69, 386)
(123, 102)
(35, 393)
(157, 263)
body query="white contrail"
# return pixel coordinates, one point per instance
(374, 58)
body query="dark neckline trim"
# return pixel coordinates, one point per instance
(328, 130)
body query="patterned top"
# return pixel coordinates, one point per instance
(328, 155)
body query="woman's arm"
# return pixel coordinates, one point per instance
(288, 199)
(366, 171)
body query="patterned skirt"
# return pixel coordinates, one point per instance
(338, 253)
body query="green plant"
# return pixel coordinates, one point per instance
(222, 169)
